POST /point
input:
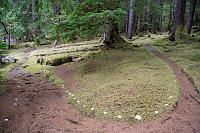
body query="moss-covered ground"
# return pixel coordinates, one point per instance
(6, 68)
(185, 53)
(120, 84)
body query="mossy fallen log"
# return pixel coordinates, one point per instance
(59, 61)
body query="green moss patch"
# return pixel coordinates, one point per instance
(120, 84)
(186, 53)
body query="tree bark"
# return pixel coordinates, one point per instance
(147, 16)
(179, 18)
(8, 36)
(161, 16)
(170, 17)
(34, 17)
(131, 17)
(141, 26)
(111, 35)
(191, 15)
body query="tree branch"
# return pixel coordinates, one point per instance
(4, 27)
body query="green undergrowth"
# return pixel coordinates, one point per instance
(185, 53)
(126, 83)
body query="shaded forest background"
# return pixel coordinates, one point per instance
(68, 20)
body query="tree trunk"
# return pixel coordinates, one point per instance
(161, 16)
(147, 16)
(179, 19)
(34, 17)
(57, 12)
(8, 37)
(135, 23)
(141, 26)
(125, 23)
(131, 17)
(191, 15)
(156, 21)
(111, 35)
(170, 17)
(197, 20)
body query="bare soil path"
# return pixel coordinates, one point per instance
(41, 108)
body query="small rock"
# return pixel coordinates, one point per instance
(166, 105)
(78, 101)
(6, 119)
(156, 112)
(170, 97)
(119, 116)
(16, 99)
(138, 117)
(105, 113)
(15, 104)
(92, 109)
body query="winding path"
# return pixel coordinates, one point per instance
(41, 108)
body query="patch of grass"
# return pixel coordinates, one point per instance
(186, 54)
(124, 82)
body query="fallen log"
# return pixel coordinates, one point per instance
(59, 61)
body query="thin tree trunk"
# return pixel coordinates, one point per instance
(161, 16)
(34, 17)
(8, 37)
(135, 23)
(146, 16)
(191, 15)
(131, 16)
(179, 18)
(141, 26)
(170, 17)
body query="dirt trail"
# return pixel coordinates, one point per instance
(41, 108)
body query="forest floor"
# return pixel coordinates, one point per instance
(33, 104)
